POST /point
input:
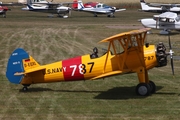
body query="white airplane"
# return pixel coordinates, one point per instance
(99, 9)
(48, 7)
(3, 9)
(166, 21)
(158, 7)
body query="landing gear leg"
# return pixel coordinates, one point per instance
(95, 15)
(4, 15)
(145, 87)
(25, 88)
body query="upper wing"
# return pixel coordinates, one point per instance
(121, 35)
(31, 71)
(55, 4)
(167, 15)
(162, 5)
(11, 4)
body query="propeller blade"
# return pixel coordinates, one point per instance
(172, 65)
(157, 19)
(169, 42)
(171, 55)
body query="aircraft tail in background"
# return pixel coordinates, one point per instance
(144, 6)
(80, 5)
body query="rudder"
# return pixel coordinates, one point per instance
(19, 62)
(80, 5)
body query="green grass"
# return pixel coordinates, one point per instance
(52, 39)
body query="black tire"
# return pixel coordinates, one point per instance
(25, 89)
(143, 89)
(152, 87)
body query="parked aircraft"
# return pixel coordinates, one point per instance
(90, 4)
(158, 7)
(48, 7)
(126, 53)
(166, 21)
(86, 5)
(3, 10)
(99, 9)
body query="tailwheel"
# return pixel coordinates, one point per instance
(152, 87)
(25, 88)
(143, 89)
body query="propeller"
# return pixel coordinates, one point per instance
(171, 54)
(157, 19)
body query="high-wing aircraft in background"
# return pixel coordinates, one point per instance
(166, 21)
(158, 7)
(90, 4)
(99, 9)
(49, 7)
(3, 10)
(86, 5)
(126, 53)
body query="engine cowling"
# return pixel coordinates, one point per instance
(161, 55)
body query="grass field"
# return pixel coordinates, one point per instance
(52, 39)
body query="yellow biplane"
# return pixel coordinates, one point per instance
(126, 53)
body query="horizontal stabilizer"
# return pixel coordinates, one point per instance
(30, 71)
(118, 10)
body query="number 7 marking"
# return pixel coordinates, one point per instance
(74, 69)
(92, 64)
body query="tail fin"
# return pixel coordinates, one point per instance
(19, 62)
(75, 4)
(29, 7)
(144, 6)
(80, 5)
(142, 1)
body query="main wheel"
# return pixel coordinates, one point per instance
(152, 86)
(143, 89)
